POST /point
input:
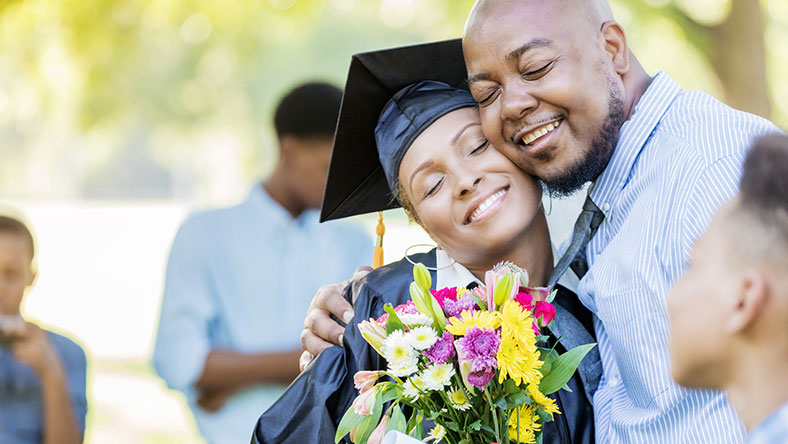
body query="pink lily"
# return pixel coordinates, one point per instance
(365, 379)
(377, 435)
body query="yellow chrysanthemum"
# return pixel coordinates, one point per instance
(518, 357)
(545, 404)
(515, 321)
(527, 421)
(469, 319)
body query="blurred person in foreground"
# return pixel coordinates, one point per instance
(239, 280)
(729, 312)
(42, 374)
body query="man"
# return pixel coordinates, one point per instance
(42, 374)
(729, 311)
(238, 279)
(562, 96)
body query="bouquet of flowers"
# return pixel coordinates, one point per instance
(472, 362)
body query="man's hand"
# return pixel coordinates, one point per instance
(320, 331)
(31, 346)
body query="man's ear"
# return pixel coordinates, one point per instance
(615, 45)
(752, 297)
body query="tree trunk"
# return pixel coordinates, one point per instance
(737, 54)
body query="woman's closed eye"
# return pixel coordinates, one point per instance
(433, 189)
(479, 148)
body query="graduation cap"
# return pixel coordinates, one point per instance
(359, 179)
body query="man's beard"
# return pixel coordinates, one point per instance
(597, 157)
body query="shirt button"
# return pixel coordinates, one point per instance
(606, 207)
(613, 381)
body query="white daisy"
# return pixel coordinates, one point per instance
(459, 399)
(414, 319)
(436, 434)
(421, 338)
(436, 376)
(412, 386)
(401, 357)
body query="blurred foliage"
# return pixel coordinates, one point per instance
(166, 98)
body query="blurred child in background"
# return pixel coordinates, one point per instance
(729, 312)
(42, 374)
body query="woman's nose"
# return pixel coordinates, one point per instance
(468, 184)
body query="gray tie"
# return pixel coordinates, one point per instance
(585, 228)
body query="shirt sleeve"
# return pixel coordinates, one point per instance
(187, 310)
(75, 365)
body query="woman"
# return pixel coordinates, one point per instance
(479, 208)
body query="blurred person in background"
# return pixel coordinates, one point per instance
(729, 311)
(239, 280)
(42, 374)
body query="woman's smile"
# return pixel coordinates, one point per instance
(486, 205)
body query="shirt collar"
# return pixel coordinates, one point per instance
(763, 432)
(264, 204)
(634, 134)
(451, 273)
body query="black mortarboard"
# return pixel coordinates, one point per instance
(357, 182)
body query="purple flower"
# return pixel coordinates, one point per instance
(442, 350)
(481, 379)
(480, 346)
(455, 308)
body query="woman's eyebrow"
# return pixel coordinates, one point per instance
(462, 130)
(424, 165)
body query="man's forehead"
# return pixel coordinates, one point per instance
(534, 17)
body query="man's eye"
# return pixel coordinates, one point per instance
(487, 97)
(538, 73)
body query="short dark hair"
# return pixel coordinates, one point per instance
(309, 110)
(764, 184)
(15, 226)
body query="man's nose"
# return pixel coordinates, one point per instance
(516, 101)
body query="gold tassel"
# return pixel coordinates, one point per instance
(380, 230)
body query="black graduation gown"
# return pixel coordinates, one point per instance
(312, 406)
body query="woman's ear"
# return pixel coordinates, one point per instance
(752, 297)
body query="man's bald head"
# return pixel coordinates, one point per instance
(593, 12)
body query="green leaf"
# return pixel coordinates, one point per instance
(368, 425)
(518, 399)
(391, 392)
(417, 429)
(501, 403)
(451, 425)
(509, 386)
(393, 323)
(350, 420)
(475, 426)
(563, 369)
(398, 421)
(551, 296)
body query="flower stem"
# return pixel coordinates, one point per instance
(495, 417)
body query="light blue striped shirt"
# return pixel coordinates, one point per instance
(773, 430)
(241, 278)
(678, 158)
